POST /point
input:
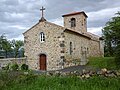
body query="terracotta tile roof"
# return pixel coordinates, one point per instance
(79, 33)
(85, 34)
(74, 13)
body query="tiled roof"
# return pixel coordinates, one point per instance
(75, 13)
(79, 33)
(85, 34)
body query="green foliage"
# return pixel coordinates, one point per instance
(6, 67)
(5, 44)
(111, 33)
(16, 45)
(14, 67)
(12, 47)
(117, 55)
(26, 78)
(41, 82)
(24, 67)
(103, 62)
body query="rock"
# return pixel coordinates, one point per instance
(50, 73)
(71, 72)
(83, 76)
(104, 70)
(118, 73)
(57, 72)
(75, 72)
(91, 73)
(63, 73)
(109, 72)
(99, 73)
(110, 75)
(87, 76)
(83, 71)
(68, 73)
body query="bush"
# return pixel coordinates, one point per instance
(117, 55)
(24, 67)
(14, 67)
(6, 67)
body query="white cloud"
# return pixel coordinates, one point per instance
(97, 30)
(20, 37)
(102, 14)
(18, 27)
(18, 15)
(98, 19)
(58, 21)
(43, 2)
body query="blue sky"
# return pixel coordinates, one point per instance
(16, 16)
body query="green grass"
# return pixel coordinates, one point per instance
(103, 62)
(33, 82)
(18, 81)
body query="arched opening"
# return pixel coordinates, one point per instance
(73, 22)
(42, 37)
(42, 61)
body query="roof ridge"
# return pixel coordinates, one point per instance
(74, 13)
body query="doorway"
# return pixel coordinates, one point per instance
(42, 62)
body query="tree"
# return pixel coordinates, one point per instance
(111, 33)
(5, 44)
(16, 45)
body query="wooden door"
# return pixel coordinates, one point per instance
(42, 62)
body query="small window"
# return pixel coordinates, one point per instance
(42, 37)
(70, 48)
(73, 22)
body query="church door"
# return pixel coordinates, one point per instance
(42, 62)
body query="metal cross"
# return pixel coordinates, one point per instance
(42, 10)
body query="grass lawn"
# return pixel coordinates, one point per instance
(32, 82)
(16, 81)
(103, 62)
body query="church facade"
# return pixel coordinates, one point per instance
(52, 47)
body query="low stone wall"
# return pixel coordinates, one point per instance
(75, 62)
(6, 61)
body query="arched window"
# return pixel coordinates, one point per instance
(73, 22)
(42, 37)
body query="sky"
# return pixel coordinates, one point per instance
(17, 16)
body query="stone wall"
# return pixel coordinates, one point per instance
(80, 46)
(81, 22)
(51, 47)
(102, 48)
(94, 48)
(4, 62)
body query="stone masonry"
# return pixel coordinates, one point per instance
(63, 46)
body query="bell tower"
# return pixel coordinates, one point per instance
(76, 21)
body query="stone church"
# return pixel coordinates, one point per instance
(52, 47)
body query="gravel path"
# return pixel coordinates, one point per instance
(79, 68)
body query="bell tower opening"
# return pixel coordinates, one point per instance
(73, 22)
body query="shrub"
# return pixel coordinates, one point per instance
(6, 67)
(117, 55)
(24, 67)
(15, 67)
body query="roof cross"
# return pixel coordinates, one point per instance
(42, 9)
